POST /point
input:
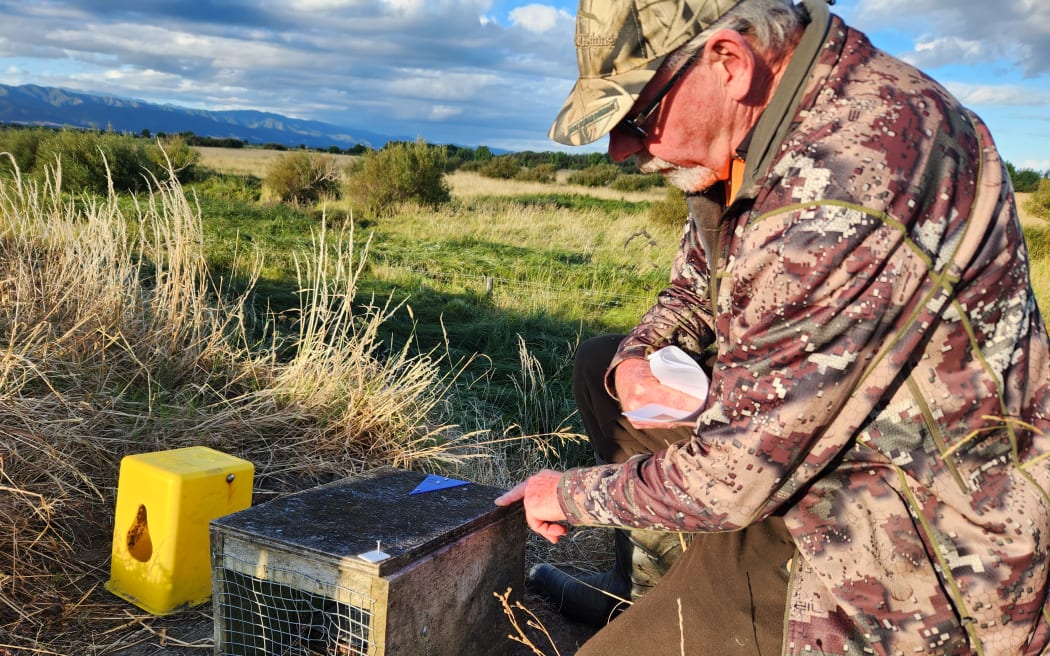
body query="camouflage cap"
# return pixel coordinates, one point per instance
(619, 46)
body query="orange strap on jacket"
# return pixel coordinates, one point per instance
(736, 179)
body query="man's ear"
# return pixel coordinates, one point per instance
(733, 61)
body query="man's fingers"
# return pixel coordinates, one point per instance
(551, 531)
(543, 513)
(516, 493)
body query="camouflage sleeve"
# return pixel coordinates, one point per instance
(812, 294)
(682, 314)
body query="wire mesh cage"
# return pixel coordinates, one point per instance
(362, 567)
(263, 617)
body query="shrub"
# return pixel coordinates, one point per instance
(1024, 180)
(399, 172)
(545, 173)
(454, 162)
(176, 154)
(598, 175)
(90, 162)
(672, 210)
(303, 178)
(22, 145)
(637, 181)
(1039, 202)
(504, 167)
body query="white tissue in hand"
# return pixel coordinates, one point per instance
(673, 367)
(659, 413)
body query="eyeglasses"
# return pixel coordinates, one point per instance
(635, 125)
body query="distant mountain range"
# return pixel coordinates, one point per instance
(49, 106)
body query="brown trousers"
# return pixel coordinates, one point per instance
(726, 595)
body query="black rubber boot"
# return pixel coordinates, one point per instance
(588, 597)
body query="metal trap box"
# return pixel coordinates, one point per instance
(300, 576)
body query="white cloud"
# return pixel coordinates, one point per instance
(140, 43)
(1040, 165)
(324, 5)
(931, 52)
(538, 18)
(416, 8)
(442, 112)
(157, 82)
(973, 31)
(975, 95)
(17, 77)
(439, 84)
(411, 7)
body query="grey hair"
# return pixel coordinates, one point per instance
(771, 25)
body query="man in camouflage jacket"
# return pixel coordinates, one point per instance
(879, 368)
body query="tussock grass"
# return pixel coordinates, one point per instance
(117, 340)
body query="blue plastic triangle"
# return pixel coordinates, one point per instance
(433, 483)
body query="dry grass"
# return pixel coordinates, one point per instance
(117, 343)
(466, 185)
(1027, 218)
(1040, 273)
(249, 161)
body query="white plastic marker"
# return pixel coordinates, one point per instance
(375, 555)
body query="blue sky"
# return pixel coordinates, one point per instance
(469, 72)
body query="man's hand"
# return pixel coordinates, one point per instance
(542, 511)
(636, 386)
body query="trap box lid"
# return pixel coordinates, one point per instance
(350, 519)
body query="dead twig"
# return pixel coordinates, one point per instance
(533, 622)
